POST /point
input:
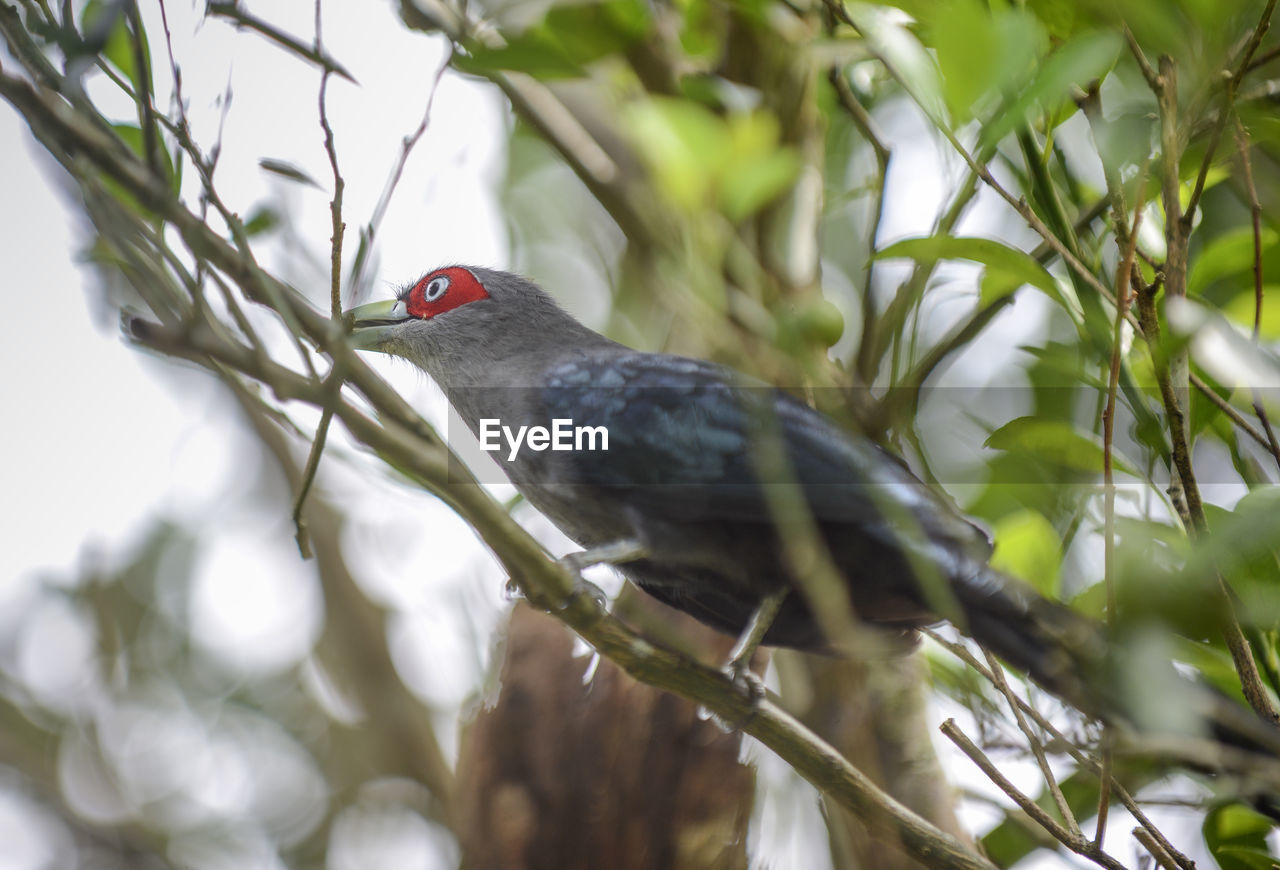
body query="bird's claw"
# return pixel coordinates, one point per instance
(616, 553)
(586, 589)
(744, 679)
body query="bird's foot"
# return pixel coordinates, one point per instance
(586, 589)
(762, 618)
(744, 679)
(738, 668)
(614, 553)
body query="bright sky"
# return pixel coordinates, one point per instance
(100, 437)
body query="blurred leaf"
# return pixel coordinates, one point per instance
(981, 52)
(131, 135)
(1060, 17)
(262, 220)
(1076, 62)
(1223, 350)
(531, 56)
(1229, 254)
(1241, 311)
(1027, 546)
(680, 140)
(1237, 838)
(700, 159)
(701, 35)
(1007, 268)
(1055, 443)
(1217, 174)
(1249, 553)
(886, 32)
(287, 170)
(571, 36)
(586, 32)
(757, 169)
(117, 49)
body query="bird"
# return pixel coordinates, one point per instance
(682, 505)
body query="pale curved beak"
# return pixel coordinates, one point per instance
(373, 323)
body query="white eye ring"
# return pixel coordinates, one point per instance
(435, 288)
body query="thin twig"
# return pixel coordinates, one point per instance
(1228, 107)
(146, 110)
(1229, 411)
(1105, 779)
(1113, 385)
(1173, 375)
(866, 125)
(1074, 842)
(243, 20)
(407, 144)
(1162, 857)
(1037, 748)
(1082, 758)
(1255, 214)
(1123, 271)
(333, 382)
(1148, 72)
(1172, 372)
(1265, 58)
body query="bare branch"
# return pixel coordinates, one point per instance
(1074, 842)
(230, 9)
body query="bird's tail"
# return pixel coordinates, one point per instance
(1071, 656)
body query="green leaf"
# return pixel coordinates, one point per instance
(1007, 268)
(981, 52)
(532, 56)
(1028, 547)
(891, 41)
(1076, 62)
(1229, 254)
(758, 183)
(701, 160)
(117, 48)
(1237, 837)
(755, 168)
(681, 142)
(586, 32)
(1055, 443)
(701, 35)
(1241, 311)
(263, 219)
(131, 135)
(571, 36)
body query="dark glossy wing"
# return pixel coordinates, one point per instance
(684, 438)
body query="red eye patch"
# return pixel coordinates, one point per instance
(443, 290)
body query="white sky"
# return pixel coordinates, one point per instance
(97, 437)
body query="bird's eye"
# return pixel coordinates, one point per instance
(441, 291)
(435, 288)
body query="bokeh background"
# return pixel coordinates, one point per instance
(178, 687)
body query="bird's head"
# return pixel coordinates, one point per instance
(457, 319)
(391, 324)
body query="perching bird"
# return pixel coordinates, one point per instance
(682, 492)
